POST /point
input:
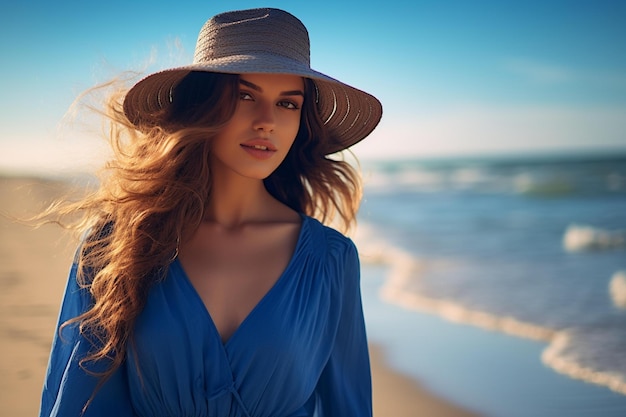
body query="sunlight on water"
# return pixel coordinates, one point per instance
(617, 289)
(524, 248)
(579, 237)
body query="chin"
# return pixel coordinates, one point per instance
(260, 174)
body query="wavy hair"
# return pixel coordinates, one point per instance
(154, 191)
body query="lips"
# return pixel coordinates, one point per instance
(260, 145)
(259, 148)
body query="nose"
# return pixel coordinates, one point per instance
(264, 119)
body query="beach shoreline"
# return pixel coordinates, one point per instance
(33, 271)
(395, 394)
(488, 372)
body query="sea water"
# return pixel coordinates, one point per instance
(533, 248)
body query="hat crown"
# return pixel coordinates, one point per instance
(253, 32)
(269, 41)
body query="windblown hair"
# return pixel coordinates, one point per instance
(154, 192)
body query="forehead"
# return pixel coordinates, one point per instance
(275, 82)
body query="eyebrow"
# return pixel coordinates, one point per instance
(283, 93)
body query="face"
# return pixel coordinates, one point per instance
(264, 126)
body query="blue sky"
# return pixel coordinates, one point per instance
(455, 77)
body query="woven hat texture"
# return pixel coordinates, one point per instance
(261, 41)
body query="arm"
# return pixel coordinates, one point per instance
(67, 387)
(345, 387)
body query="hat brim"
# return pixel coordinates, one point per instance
(349, 113)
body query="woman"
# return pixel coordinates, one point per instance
(205, 286)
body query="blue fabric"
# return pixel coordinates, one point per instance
(302, 351)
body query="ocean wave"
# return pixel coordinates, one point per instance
(392, 291)
(537, 179)
(405, 269)
(543, 187)
(466, 178)
(579, 237)
(617, 289)
(432, 179)
(574, 353)
(403, 179)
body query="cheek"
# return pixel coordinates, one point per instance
(293, 126)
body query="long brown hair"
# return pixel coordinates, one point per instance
(153, 194)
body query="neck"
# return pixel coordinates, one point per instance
(236, 200)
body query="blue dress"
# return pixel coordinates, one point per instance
(302, 350)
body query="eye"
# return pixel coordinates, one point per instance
(290, 105)
(243, 95)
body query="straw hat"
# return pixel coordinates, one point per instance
(261, 41)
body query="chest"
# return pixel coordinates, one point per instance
(281, 347)
(232, 273)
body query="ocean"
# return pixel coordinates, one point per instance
(527, 248)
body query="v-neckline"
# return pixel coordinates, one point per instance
(261, 301)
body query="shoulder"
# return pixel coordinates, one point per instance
(331, 244)
(327, 233)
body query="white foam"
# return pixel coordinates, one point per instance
(617, 289)
(408, 178)
(425, 179)
(523, 182)
(469, 176)
(395, 291)
(582, 237)
(566, 354)
(404, 271)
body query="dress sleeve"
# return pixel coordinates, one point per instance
(67, 386)
(345, 388)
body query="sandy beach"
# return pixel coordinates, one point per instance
(33, 266)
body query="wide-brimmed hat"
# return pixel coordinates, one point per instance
(260, 41)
